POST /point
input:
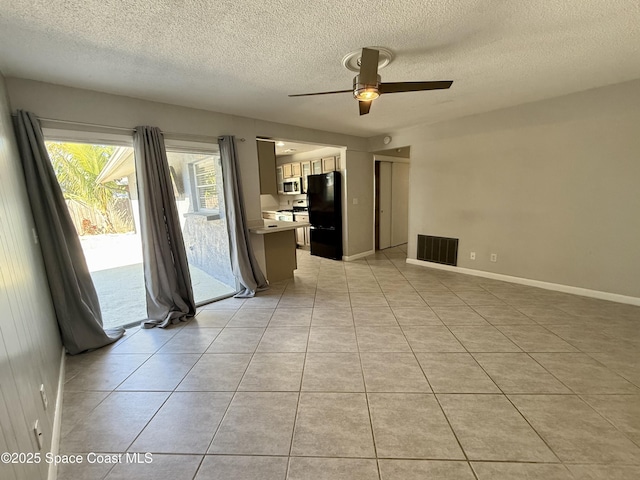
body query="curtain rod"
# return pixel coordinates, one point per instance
(129, 130)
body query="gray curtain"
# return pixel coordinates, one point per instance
(72, 291)
(166, 271)
(243, 261)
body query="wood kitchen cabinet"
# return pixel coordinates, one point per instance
(328, 164)
(316, 166)
(300, 236)
(267, 167)
(303, 234)
(290, 170)
(306, 171)
(280, 180)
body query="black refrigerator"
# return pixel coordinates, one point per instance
(324, 195)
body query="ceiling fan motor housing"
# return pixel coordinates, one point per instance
(365, 91)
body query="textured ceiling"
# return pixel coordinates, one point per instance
(244, 57)
(289, 148)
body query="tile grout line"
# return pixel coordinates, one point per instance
(366, 396)
(174, 388)
(435, 397)
(503, 394)
(295, 417)
(378, 271)
(224, 415)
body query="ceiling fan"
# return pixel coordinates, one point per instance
(367, 85)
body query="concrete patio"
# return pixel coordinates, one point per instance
(115, 263)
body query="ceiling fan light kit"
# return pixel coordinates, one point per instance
(365, 91)
(367, 85)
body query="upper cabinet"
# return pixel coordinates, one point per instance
(280, 180)
(267, 164)
(291, 170)
(306, 171)
(328, 164)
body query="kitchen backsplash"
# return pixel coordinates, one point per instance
(288, 201)
(280, 202)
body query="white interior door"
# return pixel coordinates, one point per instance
(399, 203)
(385, 203)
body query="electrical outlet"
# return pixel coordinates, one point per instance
(37, 431)
(494, 257)
(472, 255)
(355, 201)
(43, 395)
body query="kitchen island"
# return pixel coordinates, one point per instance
(279, 247)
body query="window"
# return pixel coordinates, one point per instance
(199, 194)
(205, 185)
(197, 182)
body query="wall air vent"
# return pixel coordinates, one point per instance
(438, 249)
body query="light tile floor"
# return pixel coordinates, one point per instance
(369, 370)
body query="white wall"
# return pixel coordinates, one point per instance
(399, 203)
(358, 221)
(30, 347)
(552, 187)
(72, 104)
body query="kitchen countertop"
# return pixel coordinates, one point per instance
(271, 226)
(283, 210)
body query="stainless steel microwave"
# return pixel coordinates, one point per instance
(292, 186)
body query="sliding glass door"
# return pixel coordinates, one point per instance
(98, 184)
(198, 189)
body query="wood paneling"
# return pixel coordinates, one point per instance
(29, 339)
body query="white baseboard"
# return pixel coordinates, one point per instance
(57, 420)
(585, 292)
(357, 256)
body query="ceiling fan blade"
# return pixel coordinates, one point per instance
(365, 106)
(320, 93)
(369, 66)
(397, 87)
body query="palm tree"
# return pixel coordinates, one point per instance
(77, 166)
